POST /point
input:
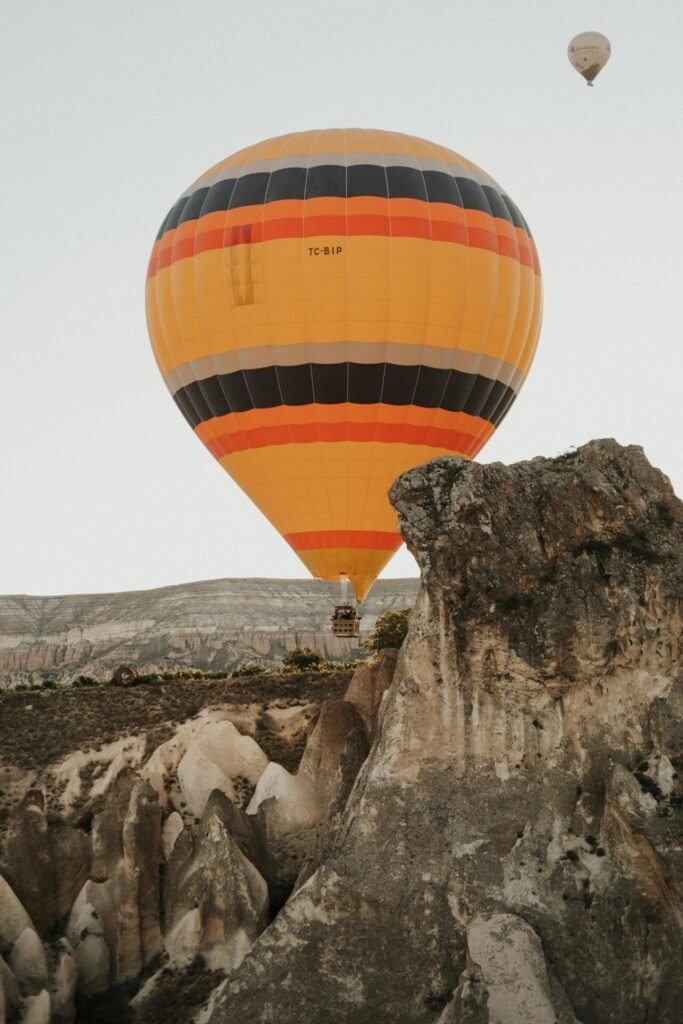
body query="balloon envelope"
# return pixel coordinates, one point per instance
(588, 54)
(330, 308)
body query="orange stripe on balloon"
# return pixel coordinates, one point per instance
(312, 539)
(297, 433)
(343, 412)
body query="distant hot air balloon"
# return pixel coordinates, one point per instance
(588, 54)
(330, 308)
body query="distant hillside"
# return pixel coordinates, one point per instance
(215, 624)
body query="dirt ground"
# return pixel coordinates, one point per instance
(40, 728)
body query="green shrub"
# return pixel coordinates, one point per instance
(250, 668)
(390, 630)
(302, 659)
(84, 681)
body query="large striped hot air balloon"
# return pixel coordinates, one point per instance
(329, 308)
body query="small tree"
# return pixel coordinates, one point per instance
(390, 630)
(301, 659)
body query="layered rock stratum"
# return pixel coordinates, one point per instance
(486, 829)
(215, 624)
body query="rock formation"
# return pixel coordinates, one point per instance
(13, 916)
(511, 850)
(368, 686)
(487, 829)
(285, 812)
(216, 899)
(334, 754)
(45, 863)
(215, 624)
(217, 757)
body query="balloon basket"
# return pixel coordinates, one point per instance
(345, 621)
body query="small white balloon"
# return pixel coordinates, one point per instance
(588, 54)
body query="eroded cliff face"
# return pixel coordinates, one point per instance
(512, 850)
(215, 624)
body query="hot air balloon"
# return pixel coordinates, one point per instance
(588, 54)
(329, 308)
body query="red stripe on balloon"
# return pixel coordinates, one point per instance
(315, 539)
(340, 226)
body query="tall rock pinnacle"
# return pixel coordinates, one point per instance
(512, 850)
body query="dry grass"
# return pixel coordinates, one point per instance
(40, 728)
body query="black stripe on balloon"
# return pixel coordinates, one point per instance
(331, 384)
(334, 180)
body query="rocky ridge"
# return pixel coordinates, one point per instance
(215, 624)
(131, 897)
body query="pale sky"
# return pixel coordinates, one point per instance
(110, 110)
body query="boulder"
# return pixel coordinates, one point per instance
(469, 1004)
(512, 965)
(28, 963)
(13, 916)
(216, 758)
(125, 676)
(46, 864)
(10, 994)
(170, 830)
(161, 768)
(64, 977)
(37, 1009)
(86, 935)
(370, 682)
(285, 813)
(512, 775)
(91, 931)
